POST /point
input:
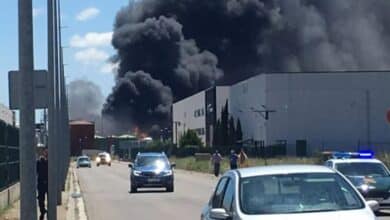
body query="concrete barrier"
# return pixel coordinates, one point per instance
(9, 196)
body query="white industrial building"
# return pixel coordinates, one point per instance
(7, 115)
(319, 110)
(199, 112)
(322, 110)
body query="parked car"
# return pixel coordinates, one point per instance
(83, 161)
(295, 192)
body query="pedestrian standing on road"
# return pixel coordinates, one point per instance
(243, 158)
(42, 172)
(216, 159)
(233, 160)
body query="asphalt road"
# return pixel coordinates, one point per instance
(106, 194)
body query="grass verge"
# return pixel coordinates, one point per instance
(204, 166)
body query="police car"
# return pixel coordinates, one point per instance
(369, 175)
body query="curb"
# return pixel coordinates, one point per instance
(76, 203)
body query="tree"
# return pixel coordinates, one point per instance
(231, 132)
(190, 138)
(217, 133)
(239, 131)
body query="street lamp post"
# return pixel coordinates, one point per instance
(28, 203)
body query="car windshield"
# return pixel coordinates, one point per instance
(362, 169)
(102, 155)
(297, 193)
(83, 159)
(153, 161)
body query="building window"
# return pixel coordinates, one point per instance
(199, 112)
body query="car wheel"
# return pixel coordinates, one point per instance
(170, 188)
(97, 165)
(109, 164)
(133, 189)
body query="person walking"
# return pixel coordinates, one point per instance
(243, 159)
(216, 159)
(42, 172)
(233, 160)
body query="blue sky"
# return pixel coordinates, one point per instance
(86, 36)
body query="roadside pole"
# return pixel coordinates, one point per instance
(58, 103)
(64, 156)
(52, 188)
(28, 202)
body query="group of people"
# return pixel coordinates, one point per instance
(235, 160)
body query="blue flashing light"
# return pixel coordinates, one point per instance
(366, 154)
(349, 155)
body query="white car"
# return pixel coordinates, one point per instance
(287, 192)
(103, 159)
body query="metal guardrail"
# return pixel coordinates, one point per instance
(9, 166)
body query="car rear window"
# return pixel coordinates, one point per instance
(297, 193)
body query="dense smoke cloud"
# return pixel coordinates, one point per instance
(170, 49)
(85, 100)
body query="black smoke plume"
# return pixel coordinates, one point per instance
(169, 49)
(85, 100)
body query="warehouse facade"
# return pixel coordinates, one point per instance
(200, 113)
(319, 111)
(315, 110)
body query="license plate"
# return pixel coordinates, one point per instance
(153, 180)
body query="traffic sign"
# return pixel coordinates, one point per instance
(40, 89)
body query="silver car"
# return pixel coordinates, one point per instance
(293, 192)
(83, 161)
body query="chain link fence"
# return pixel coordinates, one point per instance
(9, 155)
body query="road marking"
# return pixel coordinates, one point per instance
(76, 201)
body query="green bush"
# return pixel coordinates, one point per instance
(190, 138)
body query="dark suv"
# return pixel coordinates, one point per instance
(151, 170)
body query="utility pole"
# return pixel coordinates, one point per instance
(52, 186)
(28, 202)
(58, 103)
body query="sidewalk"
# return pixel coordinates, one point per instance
(72, 207)
(12, 213)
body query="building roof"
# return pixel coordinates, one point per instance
(283, 169)
(197, 93)
(81, 122)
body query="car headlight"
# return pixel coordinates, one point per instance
(108, 159)
(137, 173)
(167, 173)
(365, 187)
(97, 159)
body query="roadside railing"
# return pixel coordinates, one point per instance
(9, 166)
